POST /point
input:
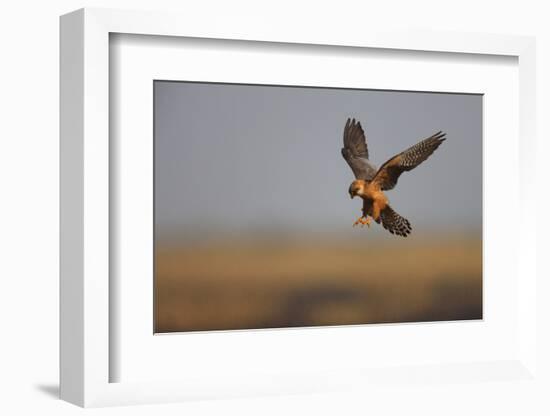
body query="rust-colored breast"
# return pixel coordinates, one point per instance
(379, 200)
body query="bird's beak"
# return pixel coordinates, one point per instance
(351, 195)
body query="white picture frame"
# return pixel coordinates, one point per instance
(86, 356)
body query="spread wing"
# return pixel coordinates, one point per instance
(389, 172)
(356, 152)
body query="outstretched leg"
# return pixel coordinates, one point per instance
(364, 219)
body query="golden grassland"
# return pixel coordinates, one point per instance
(269, 284)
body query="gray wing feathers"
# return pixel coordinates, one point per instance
(415, 155)
(356, 152)
(389, 172)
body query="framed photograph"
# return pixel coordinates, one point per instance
(251, 191)
(277, 211)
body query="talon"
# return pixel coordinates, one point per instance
(368, 221)
(363, 221)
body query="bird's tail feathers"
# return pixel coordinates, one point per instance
(395, 223)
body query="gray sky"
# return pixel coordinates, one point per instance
(245, 157)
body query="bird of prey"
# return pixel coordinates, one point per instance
(370, 182)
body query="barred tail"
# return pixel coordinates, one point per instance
(395, 223)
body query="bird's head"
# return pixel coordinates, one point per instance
(357, 187)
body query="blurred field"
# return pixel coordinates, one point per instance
(268, 284)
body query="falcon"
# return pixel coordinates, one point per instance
(370, 183)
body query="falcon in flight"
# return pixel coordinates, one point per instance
(370, 183)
